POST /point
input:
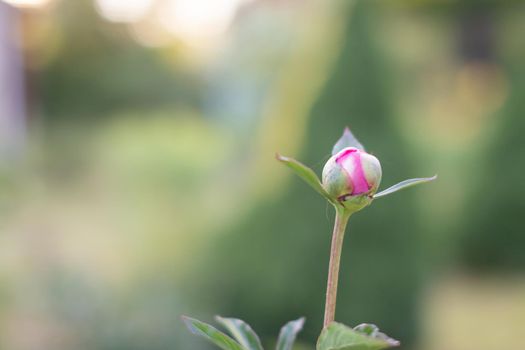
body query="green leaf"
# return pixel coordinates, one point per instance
(212, 334)
(288, 334)
(242, 332)
(404, 184)
(337, 336)
(347, 140)
(372, 330)
(307, 175)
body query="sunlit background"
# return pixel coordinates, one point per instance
(138, 180)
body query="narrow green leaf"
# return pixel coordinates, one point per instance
(404, 184)
(306, 174)
(347, 140)
(212, 334)
(337, 336)
(242, 332)
(288, 334)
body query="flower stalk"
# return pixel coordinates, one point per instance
(341, 220)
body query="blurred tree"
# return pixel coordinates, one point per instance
(98, 70)
(493, 234)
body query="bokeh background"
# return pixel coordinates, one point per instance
(138, 179)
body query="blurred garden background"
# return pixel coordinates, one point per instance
(138, 180)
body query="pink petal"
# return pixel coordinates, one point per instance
(354, 169)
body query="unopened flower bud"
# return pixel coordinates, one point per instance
(351, 173)
(351, 176)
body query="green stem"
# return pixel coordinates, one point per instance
(341, 219)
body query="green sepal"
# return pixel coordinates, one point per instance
(337, 336)
(404, 184)
(353, 204)
(212, 334)
(347, 140)
(242, 332)
(288, 333)
(307, 174)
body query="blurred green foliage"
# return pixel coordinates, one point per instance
(141, 198)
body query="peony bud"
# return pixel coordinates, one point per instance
(352, 173)
(351, 176)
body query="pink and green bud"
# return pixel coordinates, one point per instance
(351, 173)
(351, 176)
